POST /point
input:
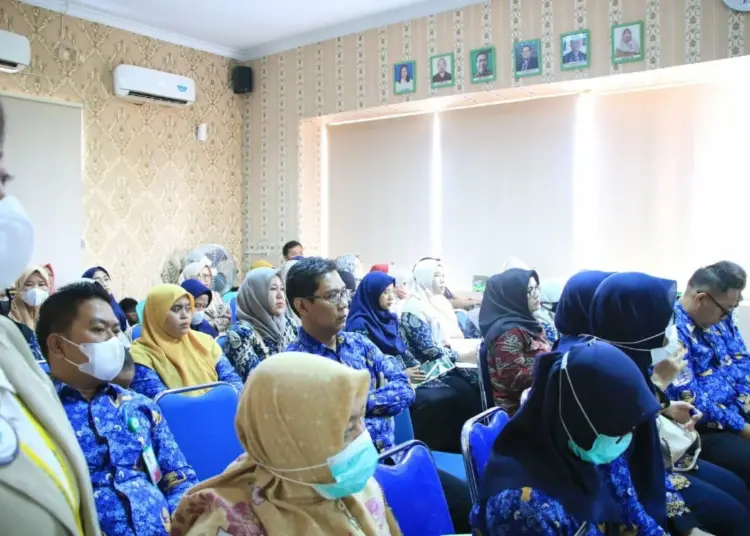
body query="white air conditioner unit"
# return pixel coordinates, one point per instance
(15, 52)
(139, 84)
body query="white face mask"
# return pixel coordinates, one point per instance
(673, 345)
(105, 358)
(198, 317)
(34, 296)
(16, 240)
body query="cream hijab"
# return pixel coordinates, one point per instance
(435, 309)
(293, 414)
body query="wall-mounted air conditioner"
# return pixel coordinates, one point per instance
(139, 84)
(15, 52)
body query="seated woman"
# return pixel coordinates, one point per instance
(169, 355)
(218, 313)
(442, 405)
(512, 334)
(428, 323)
(635, 310)
(557, 468)
(101, 276)
(296, 474)
(32, 289)
(262, 327)
(353, 264)
(202, 297)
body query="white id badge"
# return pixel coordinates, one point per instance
(152, 466)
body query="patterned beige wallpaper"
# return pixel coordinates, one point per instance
(149, 186)
(353, 72)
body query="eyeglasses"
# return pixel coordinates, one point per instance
(336, 298)
(532, 291)
(724, 312)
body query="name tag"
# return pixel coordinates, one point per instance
(152, 465)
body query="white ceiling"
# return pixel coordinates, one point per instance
(247, 29)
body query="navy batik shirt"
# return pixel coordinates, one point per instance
(390, 392)
(127, 502)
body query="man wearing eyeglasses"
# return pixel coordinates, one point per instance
(320, 299)
(712, 381)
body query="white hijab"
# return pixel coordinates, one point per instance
(435, 309)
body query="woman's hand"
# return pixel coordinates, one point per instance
(683, 413)
(666, 371)
(415, 374)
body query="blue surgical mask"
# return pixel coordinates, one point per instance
(605, 449)
(351, 469)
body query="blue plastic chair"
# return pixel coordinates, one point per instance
(222, 341)
(203, 426)
(477, 439)
(227, 297)
(139, 309)
(413, 490)
(485, 384)
(233, 308)
(135, 333)
(447, 461)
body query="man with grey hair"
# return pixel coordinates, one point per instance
(710, 381)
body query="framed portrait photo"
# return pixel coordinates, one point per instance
(526, 58)
(483, 67)
(627, 42)
(575, 50)
(441, 70)
(404, 77)
(738, 5)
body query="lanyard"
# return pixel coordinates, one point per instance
(69, 493)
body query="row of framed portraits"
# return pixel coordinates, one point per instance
(575, 53)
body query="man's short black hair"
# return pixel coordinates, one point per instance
(290, 245)
(59, 311)
(719, 278)
(303, 278)
(128, 304)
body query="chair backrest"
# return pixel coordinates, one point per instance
(203, 426)
(485, 384)
(477, 439)
(413, 490)
(227, 297)
(135, 333)
(403, 428)
(222, 340)
(233, 308)
(139, 309)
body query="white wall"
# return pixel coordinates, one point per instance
(44, 154)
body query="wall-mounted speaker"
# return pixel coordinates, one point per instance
(242, 80)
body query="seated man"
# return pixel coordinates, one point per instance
(736, 348)
(137, 470)
(709, 380)
(318, 296)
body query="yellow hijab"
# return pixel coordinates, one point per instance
(20, 311)
(187, 361)
(293, 413)
(260, 264)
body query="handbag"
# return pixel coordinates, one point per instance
(677, 443)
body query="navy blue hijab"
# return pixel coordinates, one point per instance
(532, 450)
(196, 290)
(119, 313)
(633, 306)
(366, 314)
(572, 313)
(505, 305)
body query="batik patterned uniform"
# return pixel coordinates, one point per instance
(245, 349)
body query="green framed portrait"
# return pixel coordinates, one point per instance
(404, 77)
(627, 42)
(441, 70)
(527, 58)
(483, 65)
(575, 52)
